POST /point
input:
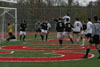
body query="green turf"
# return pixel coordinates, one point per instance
(93, 62)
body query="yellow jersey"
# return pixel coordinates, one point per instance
(11, 28)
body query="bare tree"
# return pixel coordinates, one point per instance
(70, 2)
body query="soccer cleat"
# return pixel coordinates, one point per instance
(85, 56)
(99, 57)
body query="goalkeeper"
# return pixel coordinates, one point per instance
(10, 28)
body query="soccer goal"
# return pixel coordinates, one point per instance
(7, 15)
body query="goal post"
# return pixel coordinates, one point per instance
(7, 15)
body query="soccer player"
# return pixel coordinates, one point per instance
(68, 30)
(60, 29)
(95, 39)
(23, 28)
(45, 26)
(65, 17)
(77, 28)
(89, 29)
(37, 28)
(83, 33)
(10, 28)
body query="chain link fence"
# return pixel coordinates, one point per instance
(32, 15)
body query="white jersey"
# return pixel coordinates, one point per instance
(65, 17)
(49, 26)
(89, 27)
(77, 26)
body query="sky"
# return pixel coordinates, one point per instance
(81, 2)
(84, 2)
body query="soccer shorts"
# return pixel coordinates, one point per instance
(67, 33)
(22, 33)
(83, 32)
(59, 34)
(96, 40)
(44, 31)
(89, 35)
(76, 32)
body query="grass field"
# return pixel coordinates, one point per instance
(92, 62)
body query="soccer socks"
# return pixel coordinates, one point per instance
(35, 36)
(81, 38)
(99, 51)
(87, 51)
(83, 42)
(24, 38)
(42, 37)
(60, 42)
(20, 37)
(71, 40)
(78, 40)
(46, 37)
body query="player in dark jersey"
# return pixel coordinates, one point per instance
(83, 33)
(68, 30)
(23, 28)
(60, 29)
(44, 30)
(37, 28)
(95, 39)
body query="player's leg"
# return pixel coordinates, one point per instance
(83, 38)
(10, 34)
(70, 36)
(47, 35)
(36, 34)
(60, 37)
(24, 36)
(21, 34)
(42, 34)
(97, 42)
(78, 37)
(88, 49)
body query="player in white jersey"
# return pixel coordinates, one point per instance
(65, 17)
(89, 29)
(95, 38)
(77, 28)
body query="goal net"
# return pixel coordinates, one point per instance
(7, 15)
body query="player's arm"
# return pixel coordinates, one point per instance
(49, 26)
(57, 26)
(25, 26)
(72, 25)
(13, 25)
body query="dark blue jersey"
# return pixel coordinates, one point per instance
(60, 26)
(68, 27)
(84, 26)
(23, 26)
(44, 26)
